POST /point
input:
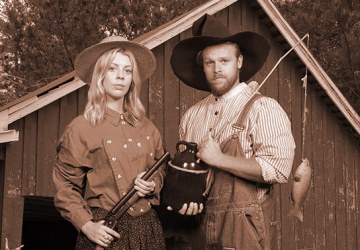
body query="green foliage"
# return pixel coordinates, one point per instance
(39, 39)
(334, 28)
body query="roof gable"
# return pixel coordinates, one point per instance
(67, 84)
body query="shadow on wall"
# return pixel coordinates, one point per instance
(44, 228)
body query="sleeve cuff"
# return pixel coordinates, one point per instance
(82, 220)
(267, 171)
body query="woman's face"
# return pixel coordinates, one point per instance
(118, 78)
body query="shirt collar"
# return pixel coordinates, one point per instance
(233, 91)
(115, 117)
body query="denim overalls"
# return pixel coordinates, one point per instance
(235, 218)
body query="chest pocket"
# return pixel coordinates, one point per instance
(241, 130)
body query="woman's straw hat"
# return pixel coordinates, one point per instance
(86, 60)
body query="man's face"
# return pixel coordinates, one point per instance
(221, 67)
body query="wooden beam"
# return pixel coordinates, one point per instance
(185, 21)
(9, 135)
(44, 100)
(317, 71)
(12, 200)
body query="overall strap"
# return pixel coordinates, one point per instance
(232, 143)
(241, 121)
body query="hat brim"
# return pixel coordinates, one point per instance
(254, 48)
(86, 60)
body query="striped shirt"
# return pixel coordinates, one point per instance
(267, 135)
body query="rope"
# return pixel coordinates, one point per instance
(305, 110)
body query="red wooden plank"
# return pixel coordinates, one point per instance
(247, 16)
(144, 95)
(82, 99)
(13, 202)
(30, 154)
(329, 180)
(286, 228)
(271, 86)
(350, 194)
(68, 110)
(340, 140)
(187, 94)
(156, 90)
(171, 101)
(318, 171)
(309, 208)
(296, 123)
(235, 18)
(48, 131)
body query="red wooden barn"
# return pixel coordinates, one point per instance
(32, 124)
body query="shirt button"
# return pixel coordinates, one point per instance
(131, 209)
(130, 140)
(151, 154)
(216, 99)
(119, 176)
(113, 159)
(124, 194)
(109, 141)
(147, 137)
(141, 210)
(125, 146)
(122, 122)
(210, 129)
(216, 112)
(139, 144)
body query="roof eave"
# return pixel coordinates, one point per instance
(152, 39)
(310, 62)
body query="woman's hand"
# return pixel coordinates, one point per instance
(144, 187)
(99, 233)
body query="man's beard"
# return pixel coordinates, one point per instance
(222, 90)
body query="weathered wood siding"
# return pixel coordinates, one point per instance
(331, 212)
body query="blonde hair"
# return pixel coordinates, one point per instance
(96, 105)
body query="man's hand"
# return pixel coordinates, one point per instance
(209, 151)
(192, 209)
(144, 187)
(98, 233)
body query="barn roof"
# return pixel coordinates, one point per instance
(266, 11)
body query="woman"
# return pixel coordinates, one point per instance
(103, 152)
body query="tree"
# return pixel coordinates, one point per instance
(334, 29)
(41, 38)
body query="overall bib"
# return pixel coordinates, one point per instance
(235, 218)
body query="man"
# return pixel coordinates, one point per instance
(247, 154)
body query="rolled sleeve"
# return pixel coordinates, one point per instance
(273, 142)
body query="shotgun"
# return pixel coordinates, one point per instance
(120, 208)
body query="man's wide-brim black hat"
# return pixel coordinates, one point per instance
(209, 31)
